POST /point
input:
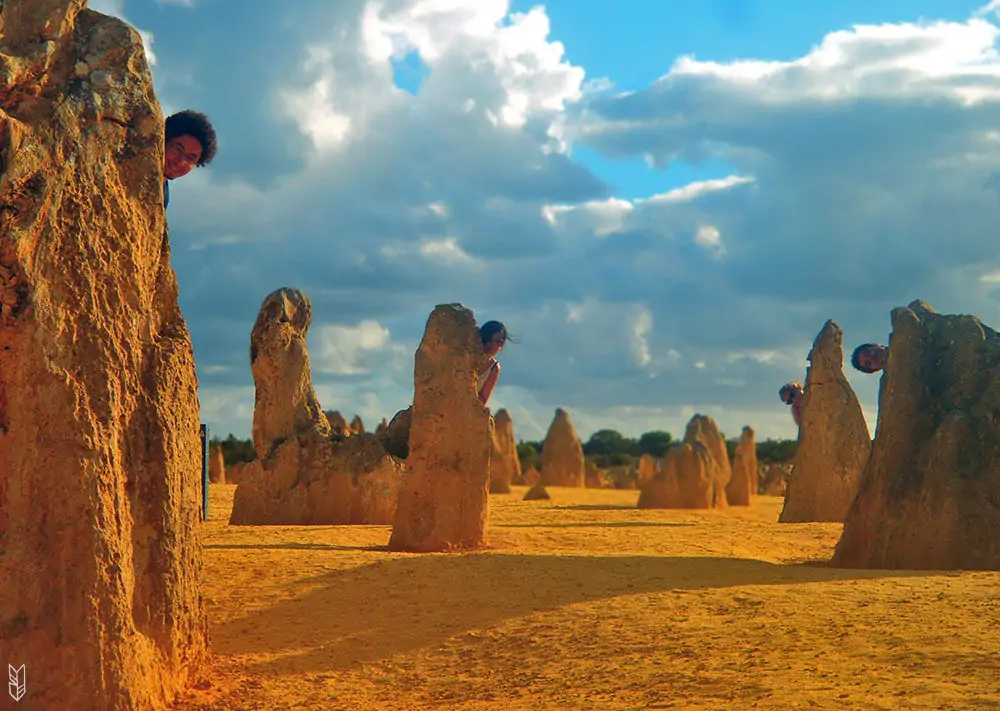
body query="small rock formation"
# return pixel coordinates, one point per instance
(774, 481)
(357, 426)
(694, 474)
(744, 483)
(593, 478)
(339, 426)
(562, 453)
(834, 443)
(216, 465)
(647, 469)
(235, 473)
(622, 477)
(929, 498)
(305, 473)
(381, 426)
(100, 453)
(537, 493)
(444, 502)
(505, 466)
(396, 435)
(532, 477)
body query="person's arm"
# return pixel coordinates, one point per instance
(491, 382)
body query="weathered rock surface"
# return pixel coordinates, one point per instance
(381, 426)
(357, 425)
(444, 501)
(688, 464)
(562, 453)
(834, 443)
(774, 478)
(313, 480)
(216, 465)
(339, 426)
(694, 474)
(743, 485)
(100, 453)
(235, 473)
(594, 479)
(306, 473)
(930, 494)
(505, 466)
(396, 435)
(622, 477)
(537, 493)
(647, 469)
(532, 476)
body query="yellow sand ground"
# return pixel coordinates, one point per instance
(585, 602)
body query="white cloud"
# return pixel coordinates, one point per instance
(695, 190)
(708, 237)
(352, 350)
(642, 324)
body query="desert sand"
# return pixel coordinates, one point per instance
(585, 602)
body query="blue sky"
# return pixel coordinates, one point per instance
(664, 201)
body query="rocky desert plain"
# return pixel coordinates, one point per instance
(418, 566)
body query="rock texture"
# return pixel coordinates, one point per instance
(100, 453)
(216, 465)
(537, 493)
(622, 477)
(774, 478)
(594, 479)
(339, 426)
(562, 453)
(647, 469)
(443, 504)
(235, 473)
(834, 443)
(694, 474)
(357, 425)
(395, 437)
(930, 494)
(743, 485)
(305, 474)
(532, 477)
(505, 466)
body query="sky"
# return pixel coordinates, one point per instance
(664, 202)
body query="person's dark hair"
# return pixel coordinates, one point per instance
(194, 124)
(855, 356)
(490, 329)
(789, 388)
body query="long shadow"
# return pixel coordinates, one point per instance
(595, 507)
(595, 524)
(293, 546)
(403, 603)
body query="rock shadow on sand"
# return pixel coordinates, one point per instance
(598, 524)
(344, 618)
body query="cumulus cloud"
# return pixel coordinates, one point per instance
(864, 174)
(358, 349)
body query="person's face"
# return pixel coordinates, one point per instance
(873, 358)
(181, 155)
(495, 344)
(791, 396)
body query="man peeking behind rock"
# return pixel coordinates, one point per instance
(189, 141)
